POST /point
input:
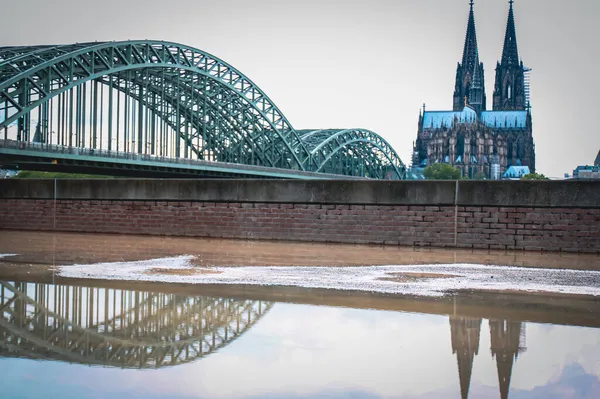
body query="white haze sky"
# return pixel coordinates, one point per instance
(361, 63)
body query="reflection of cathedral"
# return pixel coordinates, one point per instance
(465, 344)
(507, 341)
(471, 138)
(506, 346)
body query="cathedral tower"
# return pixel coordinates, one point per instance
(470, 82)
(509, 89)
(481, 143)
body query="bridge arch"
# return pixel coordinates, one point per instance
(118, 327)
(344, 146)
(124, 96)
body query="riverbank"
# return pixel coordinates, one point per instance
(558, 309)
(40, 256)
(48, 248)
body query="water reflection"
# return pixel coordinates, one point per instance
(117, 327)
(465, 333)
(507, 342)
(295, 351)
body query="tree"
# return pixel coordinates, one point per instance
(442, 171)
(534, 176)
(479, 176)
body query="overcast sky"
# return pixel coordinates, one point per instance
(361, 63)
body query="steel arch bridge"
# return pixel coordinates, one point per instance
(117, 327)
(163, 101)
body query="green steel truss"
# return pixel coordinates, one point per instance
(169, 100)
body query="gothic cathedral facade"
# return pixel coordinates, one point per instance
(477, 141)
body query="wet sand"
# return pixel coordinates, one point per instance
(40, 252)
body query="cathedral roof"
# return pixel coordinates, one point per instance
(438, 119)
(492, 119)
(516, 172)
(505, 119)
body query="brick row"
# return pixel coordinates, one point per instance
(548, 229)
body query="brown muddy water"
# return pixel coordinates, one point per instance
(75, 338)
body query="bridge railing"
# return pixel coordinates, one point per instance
(79, 151)
(135, 157)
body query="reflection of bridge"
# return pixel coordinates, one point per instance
(158, 108)
(133, 329)
(121, 328)
(507, 342)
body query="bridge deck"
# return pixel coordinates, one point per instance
(51, 157)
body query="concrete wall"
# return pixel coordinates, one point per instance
(555, 216)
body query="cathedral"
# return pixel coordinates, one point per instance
(477, 141)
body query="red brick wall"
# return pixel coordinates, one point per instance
(549, 229)
(552, 229)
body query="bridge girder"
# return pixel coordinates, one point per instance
(215, 111)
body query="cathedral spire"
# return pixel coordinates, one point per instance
(470, 61)
(476, 73)
(509, 89)
(470, 50)
(477, 92)
(510, 53)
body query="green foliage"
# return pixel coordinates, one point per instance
(534, 176)
(479, 176)
(32, 174)
(442, 171)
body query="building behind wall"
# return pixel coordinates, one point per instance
(470, 137)
(587, 171)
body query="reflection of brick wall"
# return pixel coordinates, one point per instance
(481, 227)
